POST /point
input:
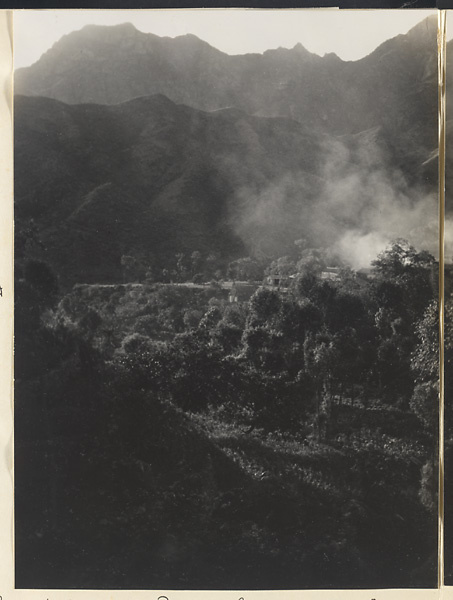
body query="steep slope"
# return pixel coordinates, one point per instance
(108, 65)
(150, 178)
(392, 87)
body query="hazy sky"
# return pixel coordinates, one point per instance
(350, 34)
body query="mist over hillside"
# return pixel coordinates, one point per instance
(230, 154)
(207, 395)
(152, 178)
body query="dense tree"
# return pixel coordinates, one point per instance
(425, 365)
(405, 277)
(282, 267)
(264, 307)
(245, 269)
(278, 429)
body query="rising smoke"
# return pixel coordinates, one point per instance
(354, 206)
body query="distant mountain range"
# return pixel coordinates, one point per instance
(112, 64)
(131, 143)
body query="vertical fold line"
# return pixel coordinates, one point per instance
(441, 62)
(13, 524)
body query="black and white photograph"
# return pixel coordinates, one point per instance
(226, 279)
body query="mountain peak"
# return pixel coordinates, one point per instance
(93, 34)
(190, 36)
(428, 25)
(332, 56)
(296, 51)
(126, 26)
(189, 40)
(422, 37)
(300, 48)
(93, 30)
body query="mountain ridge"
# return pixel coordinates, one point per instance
(152, 178)
(231, 155)
(336, 96)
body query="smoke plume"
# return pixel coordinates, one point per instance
(354, 206)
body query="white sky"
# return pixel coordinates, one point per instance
(351, 34)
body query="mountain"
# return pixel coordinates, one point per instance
(127, 143)
(151, 178)
(148, 177)
(393, 86)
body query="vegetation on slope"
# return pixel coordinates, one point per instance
(287, 441)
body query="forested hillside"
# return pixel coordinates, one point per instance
(226, 322)
(277, 442)
(151, 179)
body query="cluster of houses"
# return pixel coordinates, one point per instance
(242, 291)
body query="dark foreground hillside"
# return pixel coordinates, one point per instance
(222, 380)
(167, 437)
